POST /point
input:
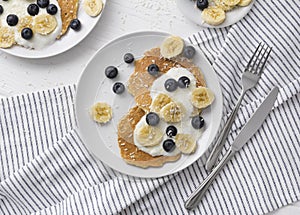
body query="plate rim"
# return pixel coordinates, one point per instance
(69, 47)
(140, 33)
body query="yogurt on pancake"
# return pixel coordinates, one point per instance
(180, 95)
(19, 8)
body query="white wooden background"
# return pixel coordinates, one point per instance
(18, 75)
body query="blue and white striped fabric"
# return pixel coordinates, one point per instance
(46, 169)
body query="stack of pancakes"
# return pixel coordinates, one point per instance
(139, 85)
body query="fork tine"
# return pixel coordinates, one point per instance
(250, 61)
(254, 68)
(260, 57)
(264, 62)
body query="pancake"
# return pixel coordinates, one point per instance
(141, 81)
(129, 152)
(139, 85)
(69, 9)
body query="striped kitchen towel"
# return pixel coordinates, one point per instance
(46, 169)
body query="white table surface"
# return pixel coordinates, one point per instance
(18, 75)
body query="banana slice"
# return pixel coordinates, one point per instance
(196, 112)
(221, 4)
(171, 47)
(172, 112)
(159, 102)
(185, 143)
(202, 97)
(7, 37)
(25, 22)
(44, 24)
(231, 2)
(244, 3)
(101, 112)
(149, 136)
(93, 7)
(213, 15)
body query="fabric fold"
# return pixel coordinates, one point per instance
(31, 123)
(285, 93)
(210, 42)
(282, 68)
(66, 175)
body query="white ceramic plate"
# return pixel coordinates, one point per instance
(93, 87)
(190, 11)
(69, 40)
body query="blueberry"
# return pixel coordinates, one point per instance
(202, 4)
(27, 33)
(43, 3)
(171, 85)
(33, 9)
(153, 69)
(171, 131)
(118, 88)
(75, 24)
(12, 20)
(1, 9)
(197, 122)
(184, 82)
(189, 52)
(128, 58)
(111, 72)
(52, 9)
(152, 119)
(169, 145)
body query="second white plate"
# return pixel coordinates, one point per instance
(102, 140)
(69, 40)
(190, 11)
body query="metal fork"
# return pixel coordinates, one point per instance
(250, 78)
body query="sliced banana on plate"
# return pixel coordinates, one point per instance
(171, 47)
(159, 102)
(231, 2)
(44, 24)
(202, 97)
(172, 112)
(196, 111)
(221, 4)
(93, 7)
(185, 143)
(244, 3)
(7, 37)
(149, 135)
(213, 15)
(25, 22)
(101, 112)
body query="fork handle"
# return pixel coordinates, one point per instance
(211, 161)
(194, 199)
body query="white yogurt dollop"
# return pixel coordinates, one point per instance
(19, 8)
(180, 95)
